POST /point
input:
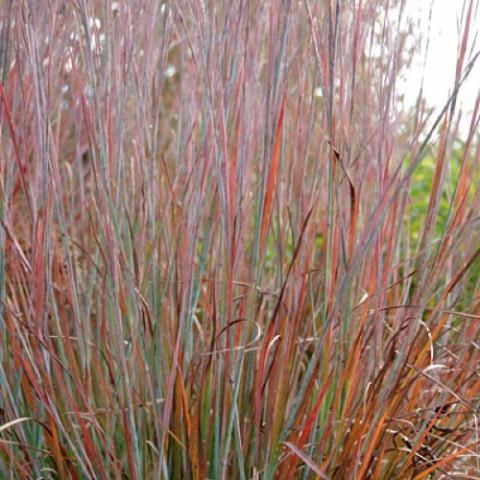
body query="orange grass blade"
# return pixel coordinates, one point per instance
(272, 176)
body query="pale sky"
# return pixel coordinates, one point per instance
(445, 35)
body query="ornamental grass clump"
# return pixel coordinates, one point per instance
(229, 249)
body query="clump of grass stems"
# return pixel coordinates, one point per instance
(213, 263)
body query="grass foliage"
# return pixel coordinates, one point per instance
(228, 250)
